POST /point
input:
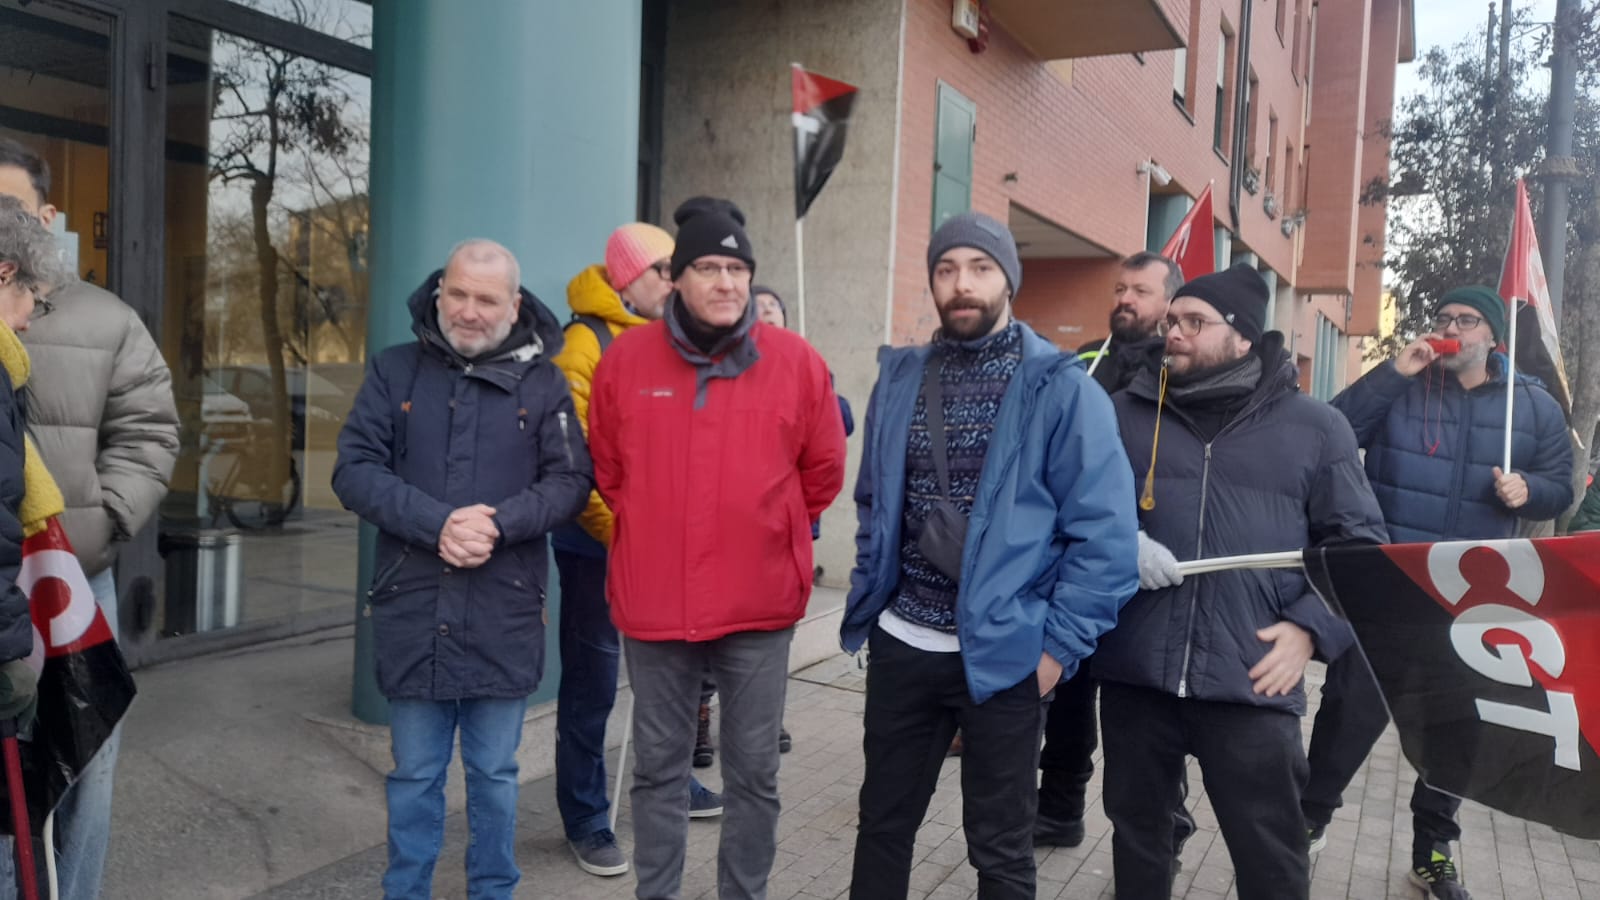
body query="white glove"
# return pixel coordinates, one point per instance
(1158, 568)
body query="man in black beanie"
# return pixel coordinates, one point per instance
(716, 443)
(1433, 426)
(1230, 459)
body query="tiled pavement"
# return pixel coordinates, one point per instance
(1366, 857)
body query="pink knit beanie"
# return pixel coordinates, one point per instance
(633, 248)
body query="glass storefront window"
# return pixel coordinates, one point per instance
(347, 20)
(55, 98)
(264, 324)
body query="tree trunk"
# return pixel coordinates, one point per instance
(1581, 347)
(275, 456)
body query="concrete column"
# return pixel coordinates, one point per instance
(501, 119)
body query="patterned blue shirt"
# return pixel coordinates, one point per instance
(973, 376)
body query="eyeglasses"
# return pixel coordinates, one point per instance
(41, 306)
(1188, 326)
(1465, 321)
(709, 270)
(664, 269)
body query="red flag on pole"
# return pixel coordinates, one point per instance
(84, 684)
(821, 117)
(1527, 296)
(1194, 245)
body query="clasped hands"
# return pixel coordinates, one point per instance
(469, 536)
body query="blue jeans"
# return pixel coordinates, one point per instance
(83, 817)
(589, 652)
(422, 736)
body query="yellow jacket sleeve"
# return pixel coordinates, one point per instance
(577, 360)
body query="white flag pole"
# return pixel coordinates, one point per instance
(1511, 383)
(800, 274)
(1105, 346)
(1287, 559)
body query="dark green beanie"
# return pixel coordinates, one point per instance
(1485, 300)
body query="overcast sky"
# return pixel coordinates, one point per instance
(1446, 22)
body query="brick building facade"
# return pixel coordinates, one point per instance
(1089, 131)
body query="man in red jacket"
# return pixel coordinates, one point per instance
(717, 441)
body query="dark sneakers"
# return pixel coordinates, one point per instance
(598, 854)
(704, 754)
(785, 743)
(1316, 837)
(1049, 831)
(1437, 875)
(704, 803)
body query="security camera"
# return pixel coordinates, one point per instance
(1161, 177)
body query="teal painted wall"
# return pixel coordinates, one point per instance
(502, 119)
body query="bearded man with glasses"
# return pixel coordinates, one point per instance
(1229, 458)
(717, 441)
(1433, 423)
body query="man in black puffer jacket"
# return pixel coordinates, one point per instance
(1211, 665)
(1146, 284)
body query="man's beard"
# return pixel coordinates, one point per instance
(1127, 329)
(980, 327)
(1195, 365)
(469, 344)
(1469, 357)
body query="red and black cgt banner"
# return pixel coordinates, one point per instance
(84, 683)
(1488, 655)
(821, 117)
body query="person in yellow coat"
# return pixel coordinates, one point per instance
(630, 289)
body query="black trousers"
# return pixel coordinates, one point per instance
(1252, 764)
(915, 702)
(1349, 722)
(1071, 734)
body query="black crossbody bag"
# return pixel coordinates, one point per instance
(944, 534)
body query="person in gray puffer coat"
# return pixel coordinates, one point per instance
(102, 414)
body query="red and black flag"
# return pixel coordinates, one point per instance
(1527, 293)
(1488, 655)
(821, 117)
(84, 684)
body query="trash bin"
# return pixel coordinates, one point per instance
(203, 579)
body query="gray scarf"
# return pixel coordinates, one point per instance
(1236, 380)
(729, 357)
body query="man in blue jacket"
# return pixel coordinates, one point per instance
(982, 578)
(464, 451)
(1434, 430)
(1231, 459)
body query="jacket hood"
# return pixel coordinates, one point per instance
(536, 332)
(590, 294)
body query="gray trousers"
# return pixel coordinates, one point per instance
(751, 672)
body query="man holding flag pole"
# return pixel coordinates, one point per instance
(1231, 459)
(1431, 422)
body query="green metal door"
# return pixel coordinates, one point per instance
(955, 133)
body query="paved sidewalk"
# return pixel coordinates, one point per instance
(337, 849)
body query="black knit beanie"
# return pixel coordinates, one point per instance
(1238, 293)
(710, 226)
